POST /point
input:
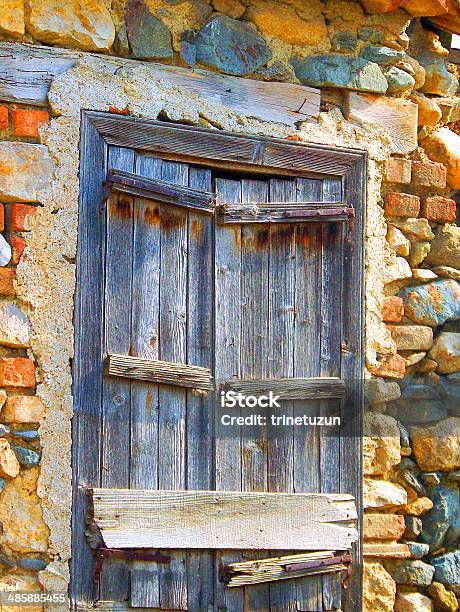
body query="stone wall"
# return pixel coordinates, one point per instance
(412, 451)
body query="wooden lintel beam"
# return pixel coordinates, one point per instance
(289, 388)
(161, 372)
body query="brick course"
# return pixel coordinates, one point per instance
(17, 372)
(402, 205)
(26, 122)
(18, 216)
(439, 210)
(429, 174)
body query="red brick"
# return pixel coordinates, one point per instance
(402, 205)
(392, 309)
(391, 366)
(398, 171)
(25, 122)
(18, 215)
(17, 247)
(17, 372)
(439, 210)
(429, 174)
(2, 217)
(3, 118)
(7, 276)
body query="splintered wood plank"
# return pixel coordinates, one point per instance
(281, 348)
(164, 372)
(224, 519)
(173, 347)
(255, 252)
(200, 463)
(289, 388)
(227, 365)
(258, 213)
(306, 364)
(145, 588)
(399, 117)
(116, 396)
(330, 362)
(87, 364)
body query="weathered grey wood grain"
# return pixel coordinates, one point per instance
(200, 340)
(164, 372)
(145, 330)
(87, 363)
(256, 213)
(227, 316)
(116, 398)
(218, 519)
(173, 347)
(290, 388)
(161, 191)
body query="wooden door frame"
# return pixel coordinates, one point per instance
(226, 151)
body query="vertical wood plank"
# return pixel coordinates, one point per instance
(307, 363)
(227, 365)
(87, 363)
(173, 347)
(200, 341)
(254, 355)
(281, 356)
(145, 325)
(331, 338)
(117, 392)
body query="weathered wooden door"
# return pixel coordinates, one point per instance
(245, 300)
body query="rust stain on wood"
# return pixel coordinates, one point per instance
(121, 207)
(171, 219)
(152, 215)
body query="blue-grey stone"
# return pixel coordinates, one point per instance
(453, 533)
(148, 36)
(451, 395)
(232, 46)
(419, 392)
(344, 42)
(431, 479)
(33, 565)
(434, 303)
(417, 411)
(416, 573)
(398, 80)
(447, 569)
(26, 435)
(454, 378)
(278, 71)
(383, 56)
(2, 484)
(438, 80)
(437, 521)
(4, 430)
(404, 437)
(343, 71)
(418, 550)
(188, 53)
(26, 456)
(454, 476)
(370, 35)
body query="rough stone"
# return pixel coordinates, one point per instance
(80, 24)
(398, 170)
(412, 337)
(287, 25)
(432, 304)
(342, 71)
(437, 447)
(413, 358)
(425, 8)
(419, 391)
(417, 411)
(381, 494)
(439, 519)
(438, 79)
(277, 71)
(444, 600)
(392, 309)
(12, 18)
(398, 270)
(232, 8)
(379, 391)
(25, 170)
(14, 326)
(415, 69)
(447, 570)
(398, 241)
(380, 6)
(148, 36)
(418, 507)
(445, 248)
(24, 530)
(426, 366)
(22, 409)
(412, 602)
(344, 42)
(444, 146)
(415, 573)
(447, 272)
(418, 252)
(429, 174)
(399, 81)
(382, 447)
(26, 456)
(413, 528)
(416, 228)
(383, 526)
(450, 108)
(9, 465)
(17, 372)
(451, 395)
(4, 430)
(379, 588)
(384, 56)
(217, 41)
(390, 366)
(402, 205)
(32, 564)
(439, 210)
(371, 35)
(446, 352)
(15, 583)
(429, 112)
(26, 435)
(424, 275)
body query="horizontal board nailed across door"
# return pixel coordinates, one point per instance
(161, 191)
(290, 388)
(224, 520)
(282, 213)
(163, 372)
